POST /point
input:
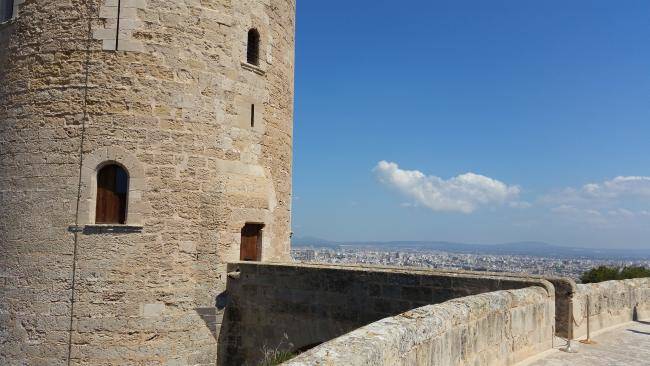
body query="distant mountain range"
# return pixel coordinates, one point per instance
(537, 249)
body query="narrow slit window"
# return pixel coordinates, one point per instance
(112, 192)
(252, 115)
(253, 49)
(117, 28)
(6, 10)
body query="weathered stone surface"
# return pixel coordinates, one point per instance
(311, 304)
(565, 288)
(172, 106)
(610, 303)
(497, 328)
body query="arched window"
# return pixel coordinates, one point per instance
(6, 10)
(112, 192)
(253, 50)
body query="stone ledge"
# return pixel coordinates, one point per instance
(253, 68)
(412, 270)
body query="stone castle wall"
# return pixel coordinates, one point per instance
(497, 328)
(565, 289)
(297, 306)
(172, 105)
(610, 303)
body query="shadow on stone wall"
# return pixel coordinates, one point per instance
(311, 304)
(213, 316)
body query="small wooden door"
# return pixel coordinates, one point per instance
(251, 242)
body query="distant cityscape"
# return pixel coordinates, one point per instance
(536, 265)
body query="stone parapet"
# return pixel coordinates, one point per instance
(565, 288)
(498, 328)
(297, 306)
(610, 303)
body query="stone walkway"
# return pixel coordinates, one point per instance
(627, 345)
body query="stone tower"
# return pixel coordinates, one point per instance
(143, 145)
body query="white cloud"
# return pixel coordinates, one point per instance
(579, 214)
(607, 191)
(621, 198)
(520, 204)
(568, 209)
(623, 213)
(600, 217)
(619, 187)
(464, 193)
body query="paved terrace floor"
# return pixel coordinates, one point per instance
(626, 345)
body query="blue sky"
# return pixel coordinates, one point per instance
(494, 121)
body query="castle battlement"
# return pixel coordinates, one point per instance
(371, 315)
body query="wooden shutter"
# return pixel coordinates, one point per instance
(112, 188)
(251, 238)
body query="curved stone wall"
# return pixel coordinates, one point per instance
(497, 328)
(293, 307)
(162, 88)
(610, 303)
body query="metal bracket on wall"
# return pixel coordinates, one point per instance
(75, 229)
(105, 229)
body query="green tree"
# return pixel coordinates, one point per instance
(600, 274)
(634, 272)
(604, 273)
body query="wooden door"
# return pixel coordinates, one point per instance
(251, 242)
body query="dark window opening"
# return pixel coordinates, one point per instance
(117, 28)
(112, 192)
(251, 242)
(252, 115)
(253, 50)
(6, 10)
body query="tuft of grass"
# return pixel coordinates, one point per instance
(276, 355)
(278, 358)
